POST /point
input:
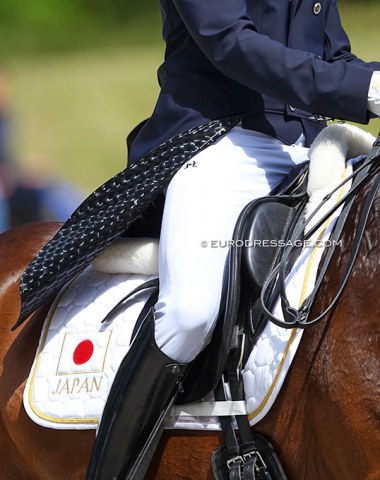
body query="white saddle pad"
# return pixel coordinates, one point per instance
(78, 356)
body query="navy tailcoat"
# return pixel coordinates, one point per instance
(283, 64)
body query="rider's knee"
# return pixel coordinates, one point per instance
(191, 315)
(184, 327)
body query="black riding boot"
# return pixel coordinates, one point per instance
(140, 399)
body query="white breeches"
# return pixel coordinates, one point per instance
(203, 202)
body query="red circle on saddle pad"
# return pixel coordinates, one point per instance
(83, 352)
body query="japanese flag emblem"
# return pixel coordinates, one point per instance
(83, 352)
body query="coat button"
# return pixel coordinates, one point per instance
(317, 8)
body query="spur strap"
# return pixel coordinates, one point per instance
(109, 211)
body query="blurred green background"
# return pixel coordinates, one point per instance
(82, 74)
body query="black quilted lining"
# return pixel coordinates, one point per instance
(108, 211)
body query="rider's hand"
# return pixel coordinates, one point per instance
(373, 103)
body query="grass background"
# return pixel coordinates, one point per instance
(74, 102)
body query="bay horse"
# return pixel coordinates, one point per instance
(325, 423)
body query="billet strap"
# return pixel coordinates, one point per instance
(246, 455)
(109, 211)
(258, 461)
(239, 459)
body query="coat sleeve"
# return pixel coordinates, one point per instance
(225, 33)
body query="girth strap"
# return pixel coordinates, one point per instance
(108, 211)
(249, 456)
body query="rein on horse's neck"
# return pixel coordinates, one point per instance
(299, 317)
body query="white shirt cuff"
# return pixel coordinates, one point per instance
(373, 102)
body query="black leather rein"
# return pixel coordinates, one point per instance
(299, 317)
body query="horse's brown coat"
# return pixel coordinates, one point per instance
(325, 422)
